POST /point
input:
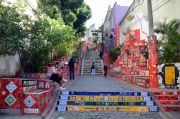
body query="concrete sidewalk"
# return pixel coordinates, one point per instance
(100, 83)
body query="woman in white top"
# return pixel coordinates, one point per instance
(56, 75)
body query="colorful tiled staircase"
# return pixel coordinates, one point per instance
(167, 100)
(87, 63)
(105, 101)
(87, 67)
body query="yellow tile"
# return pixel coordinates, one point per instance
(78, 98)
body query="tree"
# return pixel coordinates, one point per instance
(13, 29)
(75, 13)
(50, 39)
(36, 41)
(169, 41)
(39, 46)
(63, 37)
(49, 36)
(84, 13)
(115, 52)
(50, 8)
(69, 17)
(71, 4)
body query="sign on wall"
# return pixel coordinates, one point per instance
(170, 75)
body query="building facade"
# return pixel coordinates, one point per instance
(113, 17)
(137, 17)
(106, 30)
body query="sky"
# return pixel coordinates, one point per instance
(99, 9)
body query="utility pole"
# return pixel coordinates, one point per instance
(102, 39)
(150, 18)
(152, 50)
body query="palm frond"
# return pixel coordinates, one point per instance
(169, 41)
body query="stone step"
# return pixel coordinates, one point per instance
(90, 64)
(167, 99)
(91, 74)
(107, 98)
(92, 60)
(107, 108)
(89, 67)
(89, 70)
(89, 61)
(127, 93)
(105, 103)
(170, 108)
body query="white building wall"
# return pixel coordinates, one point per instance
(9, 65)
(89, 31)
(168, 9)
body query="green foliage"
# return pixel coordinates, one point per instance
(84, 13)
(41, 40)
(11, 30)
(71, 4)
(115, 52)
(48, 36)
(129, 17)
(14, 30)
(75, 13)
(69, 17)
(50, 8)
(39, 47)
(169, 41)
(77, 51)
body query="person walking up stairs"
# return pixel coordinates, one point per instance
(90, 58)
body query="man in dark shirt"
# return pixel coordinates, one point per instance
(71, 68)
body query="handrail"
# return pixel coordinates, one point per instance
(82, 63)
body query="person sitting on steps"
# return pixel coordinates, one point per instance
(56, 75)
